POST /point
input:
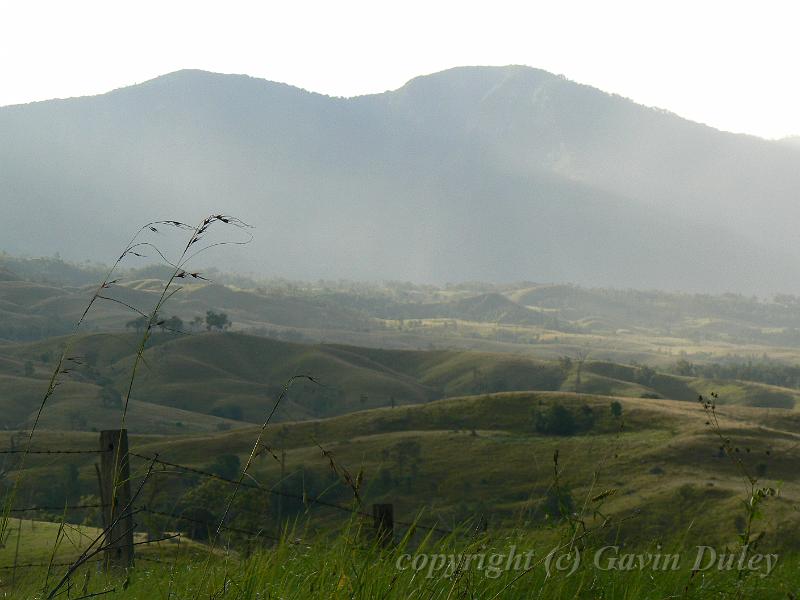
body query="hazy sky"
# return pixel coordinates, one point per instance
(730, 64)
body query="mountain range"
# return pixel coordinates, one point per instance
(475, 173)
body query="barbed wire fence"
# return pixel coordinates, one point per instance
(120, 550)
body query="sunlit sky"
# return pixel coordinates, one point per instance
(732, 65)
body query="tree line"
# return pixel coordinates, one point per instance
(213, 321)
(772, 373)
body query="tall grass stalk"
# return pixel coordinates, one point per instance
(66, 362)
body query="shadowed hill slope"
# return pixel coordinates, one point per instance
(212, 381)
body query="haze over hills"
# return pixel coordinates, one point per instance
(476, 173)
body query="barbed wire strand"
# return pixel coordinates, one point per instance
(35, 565)
(21, 451)
(57, 508)
(209, 523)
(304, 499)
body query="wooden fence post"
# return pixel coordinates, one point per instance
(115, 478)
(383, 521)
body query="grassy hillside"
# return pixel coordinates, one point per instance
(240, 376)
(461, 457)
(213, 381)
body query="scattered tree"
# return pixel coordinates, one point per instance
(218, 321)
(557, 420)
(227, 466)
(174, 324)
(580, 358)
(558, 503)
(196, 323)
(228, 411)
(138, 324)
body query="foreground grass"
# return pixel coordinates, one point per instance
(350, 566)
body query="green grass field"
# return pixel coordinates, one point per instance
(481, 566)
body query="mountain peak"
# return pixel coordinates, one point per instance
(473, 173)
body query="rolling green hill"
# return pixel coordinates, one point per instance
(460, 457)
(538, 321)
(214, 381)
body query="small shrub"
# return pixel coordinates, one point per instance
(228, 411)
(557, 504)
(227, 466)
(557, 420)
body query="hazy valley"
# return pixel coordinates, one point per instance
(616, 359)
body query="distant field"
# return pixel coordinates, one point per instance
(44, 298)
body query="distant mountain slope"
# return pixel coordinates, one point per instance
(476, 173)
(8, 275)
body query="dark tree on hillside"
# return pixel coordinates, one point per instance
(557, 420)
(217, 321)
(228, 411)
(558, 503)
(227, 466)
(138, 324)
(174, 324)
(580, 358)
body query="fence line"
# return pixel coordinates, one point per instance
(382, 525)
(20, 451)
(35, 565)
(304, 498)
(67, 507)
(210, 523)
(254, 486)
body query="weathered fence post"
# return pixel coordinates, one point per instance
(383, 521)
(102, 495)
(115, 491)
